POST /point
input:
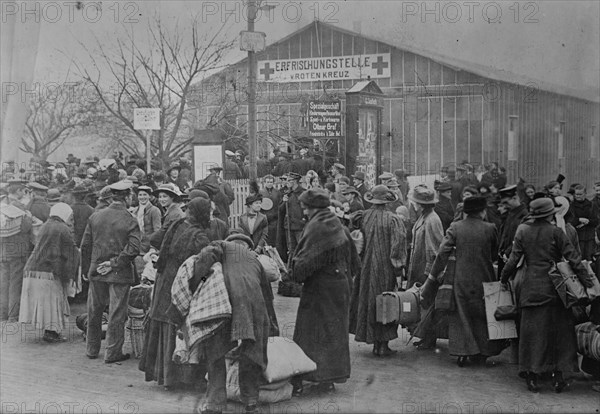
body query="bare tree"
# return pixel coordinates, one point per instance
(160, 75)
(55, 115)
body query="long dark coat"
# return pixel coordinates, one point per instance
(272, 214)
(508, 228)
(384, 251)
(476, 244)
(427, 234)
(445, 212)
(181, 241)
(325, 261)
(547, 335)
(111, 234)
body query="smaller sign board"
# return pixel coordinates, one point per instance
(146, 118)
(252, 41)
(324, 119)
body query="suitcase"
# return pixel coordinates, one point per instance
(410, 310)
(387, 308)
(398, 307)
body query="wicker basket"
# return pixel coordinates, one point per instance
(137, 331)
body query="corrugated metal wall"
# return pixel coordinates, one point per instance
(436, 115)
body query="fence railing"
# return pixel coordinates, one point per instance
(241, 189)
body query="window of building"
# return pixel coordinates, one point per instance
(561, 139)
(594, 143)
(513, 137)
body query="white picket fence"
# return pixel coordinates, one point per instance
(241, 189)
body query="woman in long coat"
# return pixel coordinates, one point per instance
(325, 262)
(476, 246)
(384, 256)
(547, 340)
(50, 269)
(184, 239)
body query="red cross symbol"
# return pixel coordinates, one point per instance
(379, 65)
(267, 71)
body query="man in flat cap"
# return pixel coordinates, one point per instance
(112, 242)
(16, 243)
(516, 213)
(39, 206)
(291, 217)
(360, 186)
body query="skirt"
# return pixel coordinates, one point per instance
(547, 340)
(44, 301)
(157, 358)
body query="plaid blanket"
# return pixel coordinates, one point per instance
(207, 308)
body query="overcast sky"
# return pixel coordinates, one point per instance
(553, 41)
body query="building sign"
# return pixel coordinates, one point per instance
(324, 119)
(146, 118)
(325, 69)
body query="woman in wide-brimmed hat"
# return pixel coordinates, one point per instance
(168, 198)
(384, 256)
(547, 340)
(427, 235)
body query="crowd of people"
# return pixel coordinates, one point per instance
(94, 231)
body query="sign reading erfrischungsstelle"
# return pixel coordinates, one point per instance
(324, 119)
(325, 68)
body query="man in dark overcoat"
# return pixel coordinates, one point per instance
(584, 217)
(444, 207)
(112, 238)
(358, 179)
(270, 192)
(291, 217)
(39, 206)
(516, 213)
(325, 261)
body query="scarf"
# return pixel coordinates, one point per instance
(140, 217)
(563, 209)
(322, 233)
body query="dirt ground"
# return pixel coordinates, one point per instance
(36, 377)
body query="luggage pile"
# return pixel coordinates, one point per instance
(140, 298)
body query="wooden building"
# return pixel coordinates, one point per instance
(437, 111)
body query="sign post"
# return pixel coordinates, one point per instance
(147, 119)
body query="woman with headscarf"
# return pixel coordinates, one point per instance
(561, 215)
(50, 270)
(183, 239)
(547, 340)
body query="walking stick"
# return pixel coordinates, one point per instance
(288, 235)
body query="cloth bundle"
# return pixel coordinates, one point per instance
(286, 360)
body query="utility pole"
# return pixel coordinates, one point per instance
(252, 93)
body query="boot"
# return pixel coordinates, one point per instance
(558, 382)
(385, 350)
(532, 382)
(376, 348)
(461, 361)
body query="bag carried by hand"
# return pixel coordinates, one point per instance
(570, 290)
(444, 299)
(507, 312)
